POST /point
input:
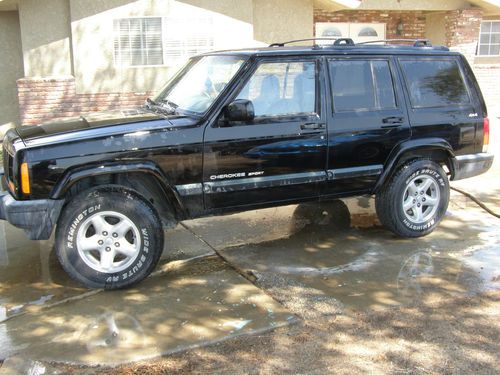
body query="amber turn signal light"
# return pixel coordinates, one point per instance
(25, 179)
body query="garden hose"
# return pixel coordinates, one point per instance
(477, 201)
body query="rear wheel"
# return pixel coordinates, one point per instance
(109, 238)
(415, 200)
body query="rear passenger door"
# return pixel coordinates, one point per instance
(367, 118)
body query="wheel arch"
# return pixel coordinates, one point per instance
(435, 149)
(146, 178)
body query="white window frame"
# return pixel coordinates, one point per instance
(167, 60)
(352, 29)
(116, 63)
(196, 21)
(489, 44)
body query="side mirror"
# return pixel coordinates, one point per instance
(240, 110)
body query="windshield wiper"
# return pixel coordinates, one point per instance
(169, 103)
(160, 107)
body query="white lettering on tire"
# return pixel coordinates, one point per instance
(142, 258)
(79, 218)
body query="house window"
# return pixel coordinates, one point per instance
(138, 41)
(359, 32)
(489, 38)
(332, 32)
(187, 37)
(368, 31)
(160, 41)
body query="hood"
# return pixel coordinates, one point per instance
(87, 122)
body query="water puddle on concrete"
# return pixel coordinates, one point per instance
(202, 302)
(30, 275)
(369, 268)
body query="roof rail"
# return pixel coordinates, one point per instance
(350, 42)
(337, 41)
(416, 42)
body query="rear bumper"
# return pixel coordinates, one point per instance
(472, 165)
(36, 217)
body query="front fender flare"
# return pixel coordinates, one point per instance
(72, 176)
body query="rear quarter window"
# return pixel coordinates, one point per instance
(434, 83)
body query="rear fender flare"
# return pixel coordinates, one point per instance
(414, 146)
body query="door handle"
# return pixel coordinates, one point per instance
(312, 126)
(393, 120)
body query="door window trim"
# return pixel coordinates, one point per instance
(392, 70)
(439, 58)
(285, 118)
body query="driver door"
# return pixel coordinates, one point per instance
(279, 156)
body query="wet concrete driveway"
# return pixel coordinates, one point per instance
(369, 268)
(295, 266)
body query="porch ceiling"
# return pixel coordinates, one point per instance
(489, 6)
(8, 5)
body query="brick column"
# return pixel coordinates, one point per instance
(462, 31)
(46, 99)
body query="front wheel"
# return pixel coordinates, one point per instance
(415, 199)
(109, 238)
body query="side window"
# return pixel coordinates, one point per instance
(361, 85)
(434, 83)
(281, 89)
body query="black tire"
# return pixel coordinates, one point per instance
(139, 235)
(422, 218)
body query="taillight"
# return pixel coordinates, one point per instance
(486, 134)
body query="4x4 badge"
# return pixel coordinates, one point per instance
(472, 114)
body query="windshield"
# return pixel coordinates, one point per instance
(200, 84)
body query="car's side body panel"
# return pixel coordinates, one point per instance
(206, 168)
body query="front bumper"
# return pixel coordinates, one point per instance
(472, 165)
(36, 217)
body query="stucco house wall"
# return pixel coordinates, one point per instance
(11, 66)
(79, 73)
(62, 51)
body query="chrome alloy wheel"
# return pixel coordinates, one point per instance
(108, 242)
(421, 199)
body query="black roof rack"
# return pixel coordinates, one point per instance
(336, 41)
(350, 42)
(416, 42)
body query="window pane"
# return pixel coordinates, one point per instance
(485, 38)
(495, 49)
(495, 27)
(282, 89)
(137, 41)
(362, 85)
(384, 86)
(368, 31)
(352, 85)
(332, 32)
(484, 49)
(495, 38)
(485, 27)
(434, 83)
(185, 37)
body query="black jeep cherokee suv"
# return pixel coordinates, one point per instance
(239, 130)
